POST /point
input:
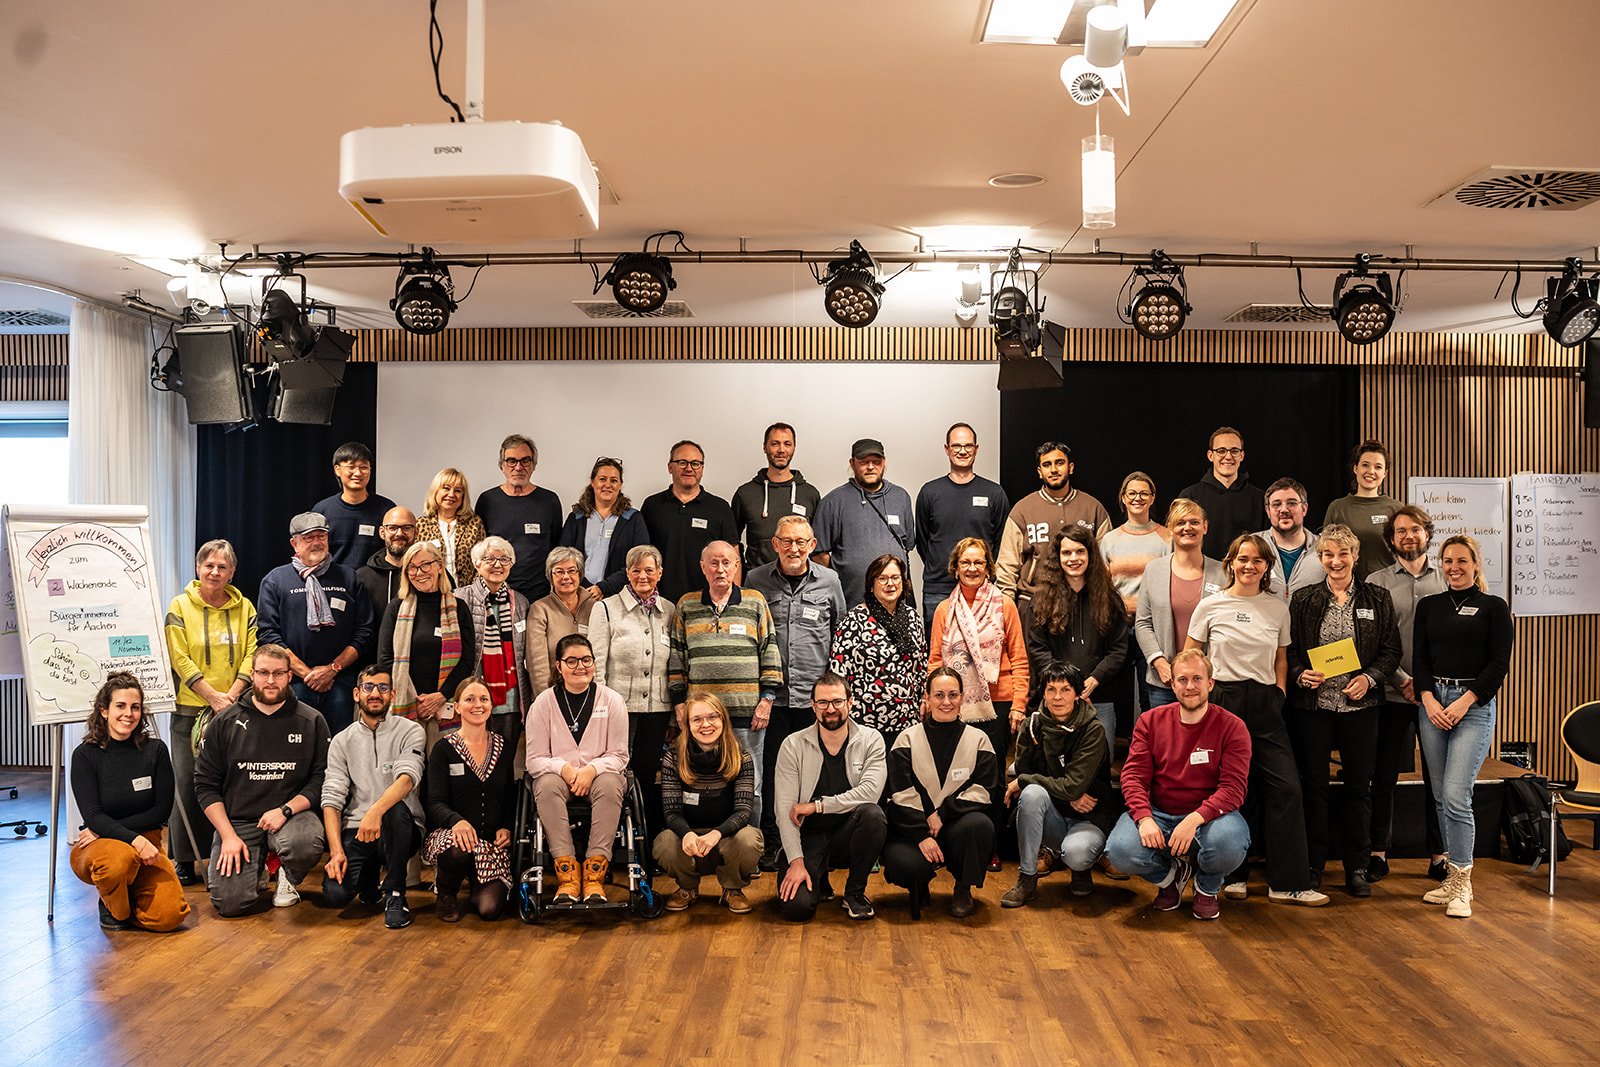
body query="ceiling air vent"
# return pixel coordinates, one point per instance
(607, 309)
(1513, 188)
(31, 317)
(1280, 313)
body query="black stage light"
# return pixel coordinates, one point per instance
(640, 281)
(1363, 303)
(1571, 313)
(853, 293)
(1160, 307)
(308, 360)
(423, 296)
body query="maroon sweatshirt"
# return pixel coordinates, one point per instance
(1178, 768)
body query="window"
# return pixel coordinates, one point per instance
(33, 452)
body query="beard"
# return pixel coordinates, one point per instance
(1409, 554)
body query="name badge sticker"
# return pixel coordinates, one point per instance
(1379, 520)
(1212, 587)
(1241, 616)
(457, 770)
(1468, 611)
(894, 520)
(583, 628)
(800, 510)
(599, 713)
(530, 527)
(664, 642)
(980, 501)
(810, 614)
(958, 773)
(699, 524)
(609, 531)
(692, 799)
(336, 603)
(1199, 755)
(141, 784)
(366, 529)
(521, 626)
(1366, 613)
(438, 631)
(738, 629)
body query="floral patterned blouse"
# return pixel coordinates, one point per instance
(885, 684)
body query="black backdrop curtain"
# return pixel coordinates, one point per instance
(252, 482)
(1299, 422)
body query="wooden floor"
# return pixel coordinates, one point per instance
(1104, 980)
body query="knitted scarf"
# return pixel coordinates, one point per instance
(405, 693)
(974, 638)
(499, 659)
(318, 614)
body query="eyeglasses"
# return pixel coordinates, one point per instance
(962, 448)
(564, 572)
(689, 464)
(702, 720)
(830, 705)
(524, 462)
(575, 663)
(496, 561)
(357, 468)
(409, 527)
(794, 542)
(1228, 451)
(1138, 494)
(419, 568)
(270, 674)
(381, 688)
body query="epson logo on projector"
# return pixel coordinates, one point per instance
(443, 149)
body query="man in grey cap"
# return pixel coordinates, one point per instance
(321, 613)
(863, 519)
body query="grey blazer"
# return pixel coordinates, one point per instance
(1153, 626)
(630, 650)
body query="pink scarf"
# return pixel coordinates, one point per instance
(974, 638)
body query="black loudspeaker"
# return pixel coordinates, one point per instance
(1591, 384)
(1036, 370)
(305, 387)
(211, 369)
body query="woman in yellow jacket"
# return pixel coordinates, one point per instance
(211, 635)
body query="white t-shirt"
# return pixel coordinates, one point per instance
(1242, 635)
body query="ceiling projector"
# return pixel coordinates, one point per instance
(471, 182)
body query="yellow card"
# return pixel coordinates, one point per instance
(1337, 658)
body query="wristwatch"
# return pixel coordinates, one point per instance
(288, 812)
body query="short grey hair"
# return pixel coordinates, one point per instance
(213, 547)
(638, 552)
(482, 548)
(562, 554)
(1336, 533)
(790, 521)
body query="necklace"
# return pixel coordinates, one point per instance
(1459, 604)
(574, 715)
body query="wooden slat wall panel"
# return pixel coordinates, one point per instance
(1459, 421)
(33, 366)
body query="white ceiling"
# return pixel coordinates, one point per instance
(163, 127)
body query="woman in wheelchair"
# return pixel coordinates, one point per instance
(471, 800)
(707, 791)
(578, 748)
(943, 776)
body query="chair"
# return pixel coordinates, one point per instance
(1580, 733)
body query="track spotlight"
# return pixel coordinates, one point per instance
(1363, 303)
(852, 294)
(1571, 313)
(424, 296)
(1160, 306)
(640, 282)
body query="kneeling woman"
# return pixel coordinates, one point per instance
(943, 778)
(471, 803)
(708, 788)
(578, 747)
(1062, 790)
(122, 781)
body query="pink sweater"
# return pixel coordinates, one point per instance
(604, 743)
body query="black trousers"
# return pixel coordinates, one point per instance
(783, 722)
(966, 843)
(398, 840)
(998, 731)
(1397, 749)
(856, 845)
(647, 738)
(1274, 783)
(1316, 734)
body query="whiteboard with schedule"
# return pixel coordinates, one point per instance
(86, 606)
(1555, 544)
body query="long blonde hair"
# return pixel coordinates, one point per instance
(729, 762)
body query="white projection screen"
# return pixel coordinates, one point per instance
(434, 415)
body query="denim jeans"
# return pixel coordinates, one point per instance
(338, 704)
(1219, 846)
(754, 742)
(1039, 822)
(1454, 758)
(1107, 714)
(1160, 696)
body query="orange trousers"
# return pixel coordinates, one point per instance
(113, 868)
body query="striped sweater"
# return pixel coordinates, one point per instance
(732, 653)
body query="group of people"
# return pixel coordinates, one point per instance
(786, 703)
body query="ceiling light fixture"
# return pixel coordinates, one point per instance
(853, 294)
(1363, 303)
(640, 281)
(1160, 307)
(1571, 313)
(424, 296)
(1015, 308)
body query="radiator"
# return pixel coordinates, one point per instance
(21, 745)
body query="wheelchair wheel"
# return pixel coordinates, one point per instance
(646, 902)
(530, 905)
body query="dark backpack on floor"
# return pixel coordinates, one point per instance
(1525, 820)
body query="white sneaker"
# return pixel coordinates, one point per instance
(287, 895)
(1236, 890)
(1306, 898)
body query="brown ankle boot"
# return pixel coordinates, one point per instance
(594, 879)
(568, 887)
